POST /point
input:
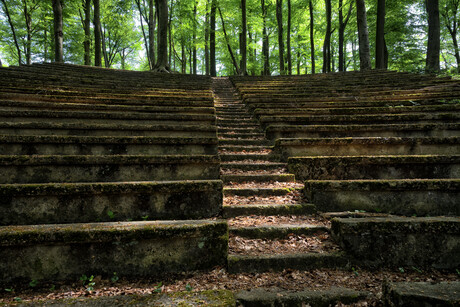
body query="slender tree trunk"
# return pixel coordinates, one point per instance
(288, 39)
(87, 29)
(243, 40)
(252, 51)
(380, 36)
(18, 50)
(151, 24)
(28, 21)
(212, 39)
(183, 61)
(363, 35)
(194, 38)
(97, 34)
(342, 25)
(312, 39)
(162, 46)
(434, 36)
(327, 39)
(265, 42)
(279, 18)
(45, 45)
(171, 39)
(104, 50)
(58, 31)
(229, 47)
(452, 20)
(206, 40)
(1, 65)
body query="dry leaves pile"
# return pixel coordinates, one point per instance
(233, 171)
(257, 220)
(265, 185)
(294, 197)
(246, 152)
(293, 244)
(250, 161)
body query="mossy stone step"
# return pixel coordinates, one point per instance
(113, 168)
(238, 135)
(233, 126)
(334, 131)
(268, 210)
(276, 232)
(445, 293)
(422, 197)
(259, 191)
(276, 297)
(256, 130)
(132, 249)
(241, 157)
(258, 178)
(251, 142)
(243, 148)
(285, 148)
(253, 166)
(423, 242)
(81, 145)
(28, 204)
(375, 167)
(304, 262)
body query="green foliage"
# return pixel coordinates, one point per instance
(33, 283)
(88, 282)
(114, 277)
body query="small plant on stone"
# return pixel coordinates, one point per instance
(416, 269)
(52, 288)
(158, 288)
(88, 282)
(188, 287)
(145, 217)
(111, 214)
(9, 290)
(33, 283)
(401, 270)
(17, 299)
(458, 271)
(114, 277)
(355, 271)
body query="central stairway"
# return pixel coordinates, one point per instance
(271, 226)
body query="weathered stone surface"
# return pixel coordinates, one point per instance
(277, 297)
(132, 249)
(114, 168)
(285, 148)
(92, 202)
(422, 294)
(422, 197)
(374, 167)
(400, 241)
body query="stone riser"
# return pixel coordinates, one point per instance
(401, 197)
(29, 204)
(60, 169)
(135, 249)
(374, 167)
(401, 242)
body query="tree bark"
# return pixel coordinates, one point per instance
(151, 24)
(342, 25)
(265, 41)
(288, 40)
(212, 39)
(243, 40)
(229, 47)
(194, 38)
(279, 18)
(451, 20)
(312, 39)
(87, 29)
(97, 34)
(380, 36)
(434, 37)
(363, 35)
(327, 39)
(206, 40)
(162, 46)
(58, 31)
(14, 32)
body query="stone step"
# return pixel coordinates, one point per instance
(105, 117)
(258, 191)
(232, 126)
(253, 166)
(246, 120)
(258, 178)
(422, 197)
(268, 210)
(84, 129)
(81, 145)
(391, 130)
(104, 248)
(244, 148)
(276, 232)
(113, 168)
(50, 203)
(243, 157)
(239, 130)
(276, 297)
(423, 242)
(265, 263)
(422, 293)
(241, 135)
(285, 148)
(248, 142)
(375, 167)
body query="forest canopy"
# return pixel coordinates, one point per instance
(226, 37)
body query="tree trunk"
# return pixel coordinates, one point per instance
(97, 34)
(327, 39)
(194, 38)
(13, 31)
(58, 31)
(243, 41)
(380, 36)
(235, 63)
(206, 40)
(279, 18)
(87, 29)
(342, 25)
(212, 39)
(151, 24)
(28, 21)
(162, 46)
(312, 39)
(451, 20)
(288, 40)
(363, 35)
(434, 37)
(265, 42)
